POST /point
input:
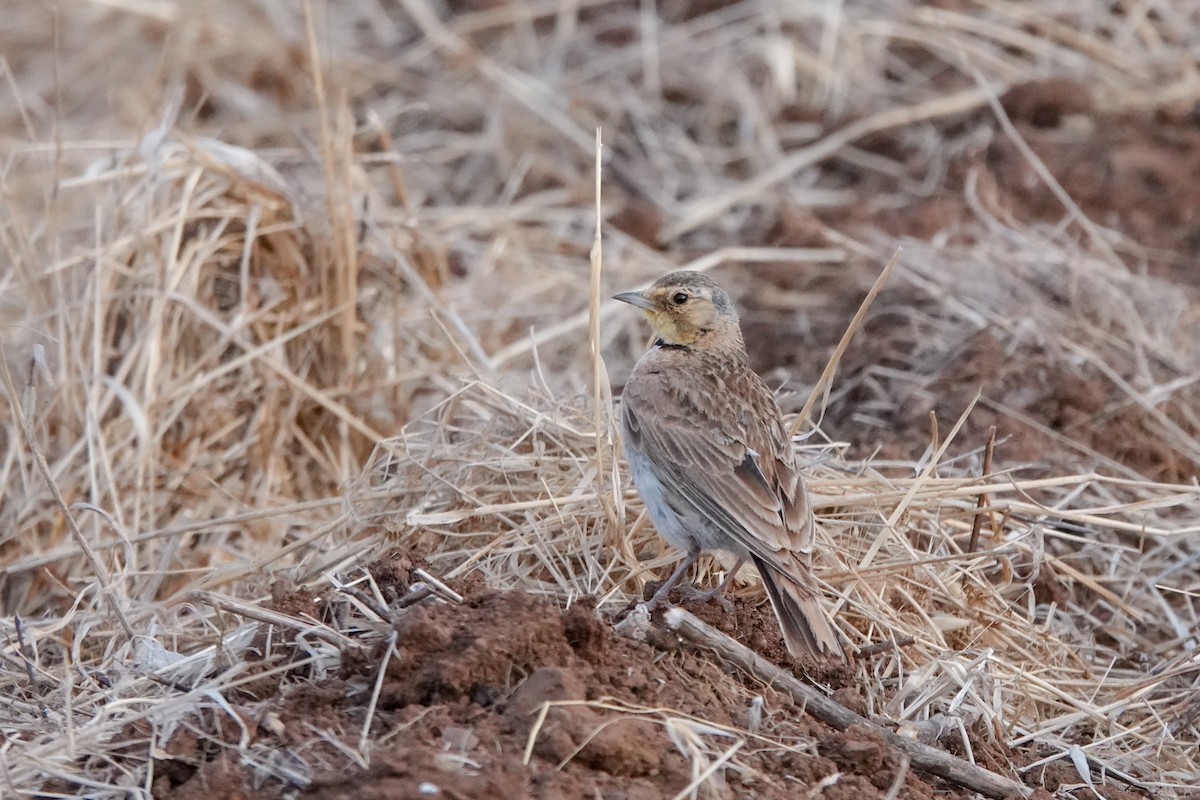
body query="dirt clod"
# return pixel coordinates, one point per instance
(471, 687)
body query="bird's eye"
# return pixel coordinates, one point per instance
(680, 298)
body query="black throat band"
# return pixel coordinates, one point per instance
(665, 346)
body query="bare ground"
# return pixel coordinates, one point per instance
(457, 708)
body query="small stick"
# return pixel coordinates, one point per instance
(416, 593)
(982, 502)
(366, 600)
(930, 759)
(276, 618)
(879, 647)
(436, 584)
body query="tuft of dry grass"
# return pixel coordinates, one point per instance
(278, 290)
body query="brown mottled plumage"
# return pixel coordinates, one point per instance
(710, 457)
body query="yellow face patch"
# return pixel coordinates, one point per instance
(667, 327)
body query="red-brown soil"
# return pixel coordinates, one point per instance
(461, 698)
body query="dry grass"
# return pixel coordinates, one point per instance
(228, 285)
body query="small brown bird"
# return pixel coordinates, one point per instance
(709, 455)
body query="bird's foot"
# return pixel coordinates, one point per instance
(717, 593)
(658, 599)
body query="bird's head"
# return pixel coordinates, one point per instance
(686, 309)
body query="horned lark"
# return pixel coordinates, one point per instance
(708, 453)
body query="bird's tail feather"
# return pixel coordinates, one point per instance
(806, 628)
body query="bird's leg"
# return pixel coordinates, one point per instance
(660, 596)
(716, 593)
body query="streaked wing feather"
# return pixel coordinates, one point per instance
(718, 481)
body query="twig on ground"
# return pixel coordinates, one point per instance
(832, 713)
(254, 611)
(882, 647)
(439, 588)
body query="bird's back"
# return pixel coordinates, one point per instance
(710, 422)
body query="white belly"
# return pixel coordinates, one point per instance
(666, 521)
(685, 532)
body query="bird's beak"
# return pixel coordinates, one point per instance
(635, 299)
